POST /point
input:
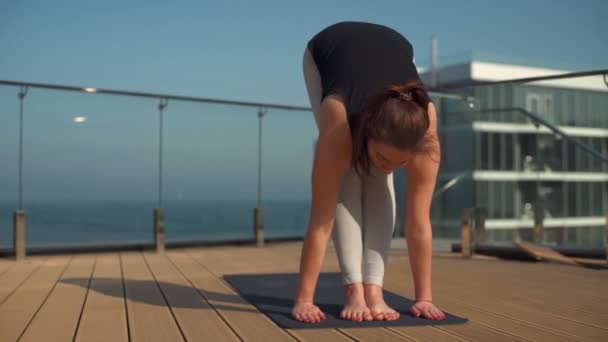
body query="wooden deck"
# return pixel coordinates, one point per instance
(134, 296)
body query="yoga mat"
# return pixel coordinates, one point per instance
(273, 295)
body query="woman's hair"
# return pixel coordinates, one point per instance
(396, 116)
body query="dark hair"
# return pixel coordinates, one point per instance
(396, 116)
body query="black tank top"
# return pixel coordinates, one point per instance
(357, 59)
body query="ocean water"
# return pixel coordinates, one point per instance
(103, 222)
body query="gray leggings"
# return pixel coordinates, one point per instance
(365, 214)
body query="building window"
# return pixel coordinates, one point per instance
(509, 152)
(541, 105)
(552, 195)
(485, 143)
(527, 144)
(495, 156)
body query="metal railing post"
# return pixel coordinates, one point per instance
(258, 211)
(606, 237)
(159, 229)
(479, 225)
(19, 234)
(159, 213)
(466, 233)
(473, 226)
(19, 217)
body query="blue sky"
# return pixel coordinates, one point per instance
(241, 50)
(252, 50)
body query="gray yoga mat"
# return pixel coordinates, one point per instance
(273, 295)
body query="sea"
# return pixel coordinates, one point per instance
(108, 222)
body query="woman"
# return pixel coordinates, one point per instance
(373, 115)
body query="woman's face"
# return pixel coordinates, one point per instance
(387, 158)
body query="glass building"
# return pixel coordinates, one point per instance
(496, 157)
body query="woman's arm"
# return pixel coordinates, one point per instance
(331, 162)
(422, 175)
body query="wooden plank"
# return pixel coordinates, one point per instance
(5, 266)
(596, 263)
(17, 274)
(543, 253)
(591, 281)
(104, 317)
(550, 308)
(145, 304)
(523, 281)
(534, 315)
(551, 268)
(18, 309)
(246, 321)
(319, 335)
(58, 318)
(467, 289)
(195, 316)
(551, 297)
(535, 277)
(400, 282)
(229, 260)
(374, 334)
(481, 319)
(426, 333)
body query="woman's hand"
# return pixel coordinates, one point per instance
(307, 312)
(426, 309)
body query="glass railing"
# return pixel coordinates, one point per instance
(89, 167)
(209, 171)
(538, 156)
(288, 150)
(9, 157)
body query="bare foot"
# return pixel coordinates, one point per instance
(355, 308)
(377, 307)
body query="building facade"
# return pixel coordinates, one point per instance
(496, 157)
